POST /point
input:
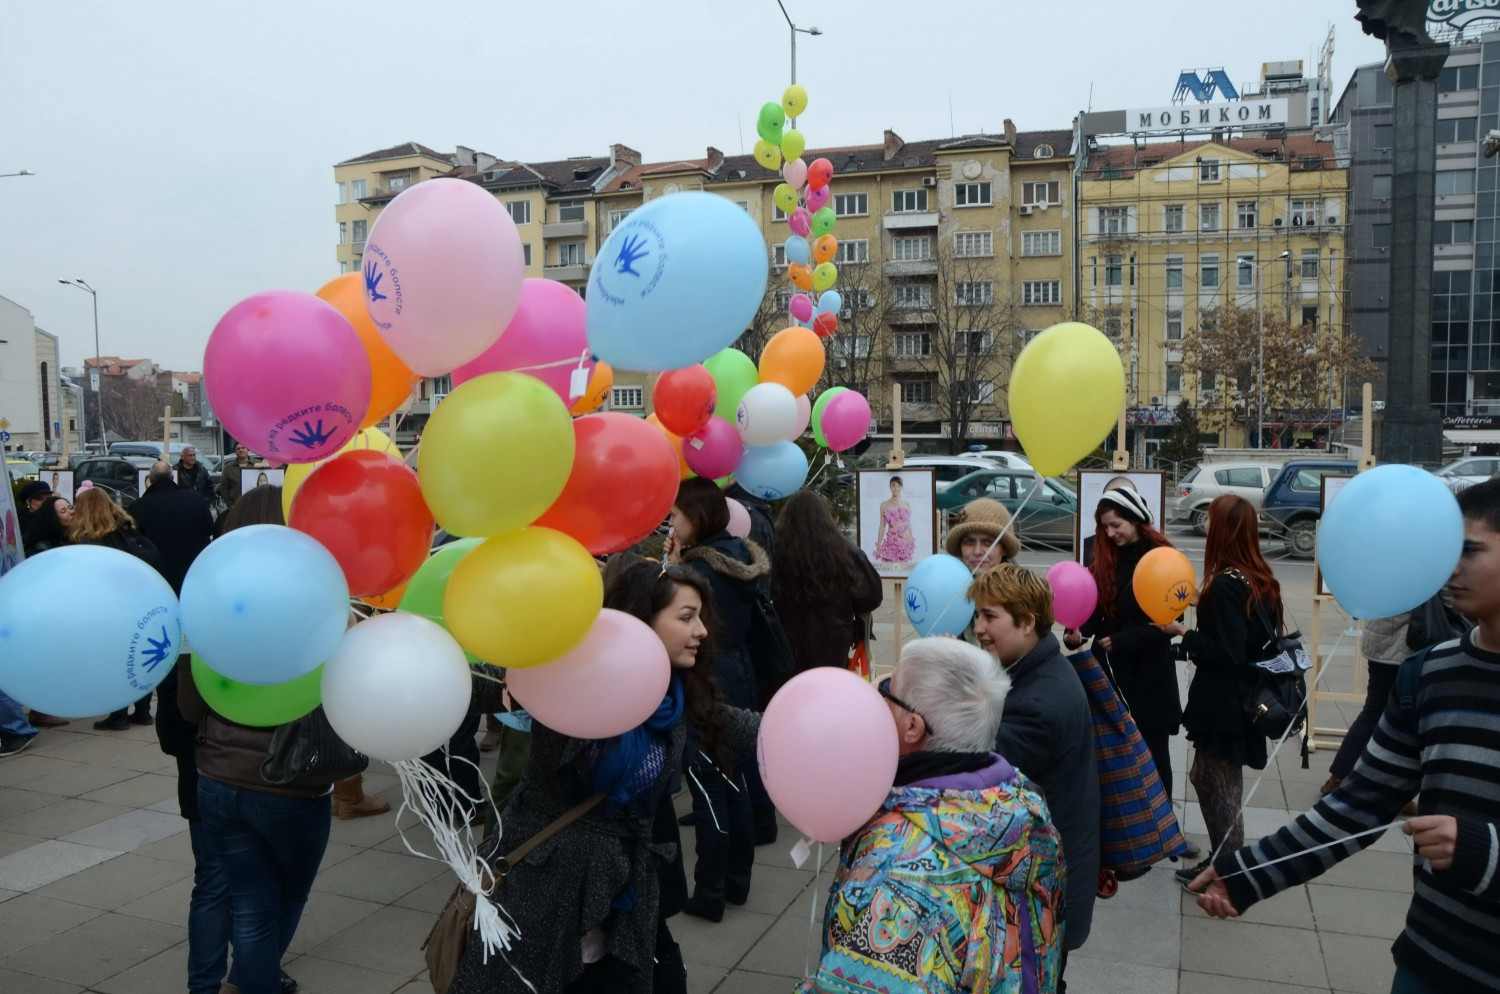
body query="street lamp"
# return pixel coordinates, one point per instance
(23, 172)
(795, 29)
(1260, 346)
(98, 370)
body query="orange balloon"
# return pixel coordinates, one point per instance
(794, 358)
(388, 600)
(825, 248)
(800, 275)
(600, 382)
(683, 473)
(1164, 584)
(391, 381)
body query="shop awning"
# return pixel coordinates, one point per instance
(1472, 436)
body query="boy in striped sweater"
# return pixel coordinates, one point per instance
(1440, 737)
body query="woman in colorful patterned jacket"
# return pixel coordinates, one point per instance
(956, 884)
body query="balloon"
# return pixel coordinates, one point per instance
(85, 629)
(733, 374)
(548, 329)
(784, 197)
(391, 381)
(397, 687)
(1067, 360)
(826, 275)
(819, 406)
(600, 382)
(771, 123)
(678, 280)
(623, 483)
(443, 270)
(714, 450)
(685, 398)
(767, 154)
(824, 222)
(425, 591)
(830, 302)
(683, 472)
(1075, 594)
(804, 418)
(801, 276)
(1376, 573)
(825, 249)
(739, 518)
(287, 375)
(816, 201)
(608, 684)
(366, 508)
(825, 325)
(368, 440)
(256, 705)
(767, 414)
(801, 307)
(846, 421)
(800, 221)
(803, 755)
(495, 454)
(795, 170)
(772, 472)
(797, 250)
(794, 101)
(794, 358)
(819, 172)
(937, 596)
(264, 604)
(523, 598)
(388, 600)
(1163, 584)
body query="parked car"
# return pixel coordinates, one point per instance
(22, 469)
(1048, 516)
(150, 450)
(117, 474)
(1468, 471)
(1209, 480)
(950, 468)
(1292, 504)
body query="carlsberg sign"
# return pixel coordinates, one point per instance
(1458, 13)
(1206, 117)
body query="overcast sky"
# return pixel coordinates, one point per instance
(184, 150)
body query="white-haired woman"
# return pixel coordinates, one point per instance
(962, 852)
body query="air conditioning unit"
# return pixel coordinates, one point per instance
(1279, 221)
(1026, 210)
(1156, 402)
(1041, 205)
(1330, 220)
(929, 181)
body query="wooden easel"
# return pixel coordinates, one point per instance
(896, 460)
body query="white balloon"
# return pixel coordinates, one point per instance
(397, 687)
(767, 414)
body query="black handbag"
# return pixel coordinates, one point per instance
(308, 753)
(1276, 700)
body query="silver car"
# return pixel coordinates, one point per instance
(1466, 472)
(1189, 501)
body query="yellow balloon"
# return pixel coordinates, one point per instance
(793, 144)
(1066, 392)
(794, 100)
(825, 276)
(298, 472)
(524, 598)
(785, 197)
(767, 154)
(495, 455)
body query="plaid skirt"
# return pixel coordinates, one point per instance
(1136, 823)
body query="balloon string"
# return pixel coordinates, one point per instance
(812, 915)
(580, 363)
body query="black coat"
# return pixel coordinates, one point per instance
(762, 525)
(1224, 647)
(1141, 658)
(178, 522)
(195, 480)
(737, 572)
(821, 628)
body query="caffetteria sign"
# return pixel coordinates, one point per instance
(1243, 114)
(1458, 13)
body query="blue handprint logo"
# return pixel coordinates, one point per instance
(916, 605)
(630, 253)
(310, 436)
(373, 276)
(1182, 592)
(158, 651)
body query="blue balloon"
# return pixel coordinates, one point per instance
(830, 302)
(1389, 540)
(798, 251)
(265, 604)
(677, 281)
(937, 601)
(85, 629)
(772, 472)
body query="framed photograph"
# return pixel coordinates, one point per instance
(1330, 489)
(897, 518)
(142, 477)
(1092, 483)
(61, 482)
(260, 477)
(11, 550)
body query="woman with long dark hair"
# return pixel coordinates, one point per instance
(821, 582)
(47, 527)
(1238, 590)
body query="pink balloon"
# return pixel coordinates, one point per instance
(548, 328)
(800, 221)
(795, 173)
(608, 684)
(804, 753)
(287, 375)
(846, 420)
(818, 199)
(739, 518)
(801, 307)
(804, 417)
(443, 269)
(714, 450)
(1075, 594)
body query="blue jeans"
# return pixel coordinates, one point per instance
(270, 846)
(208, 916)
(1407, 982)
(13, 718)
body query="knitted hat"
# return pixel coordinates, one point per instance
(1126, 503)
(984, 517)
(34, 489)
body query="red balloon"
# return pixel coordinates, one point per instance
(685, 399)
(819, 173)
(624, 480)
(366, 508)
(826, 324)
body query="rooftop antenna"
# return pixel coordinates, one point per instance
(739, 124)
(952, 132)
(1091, 95)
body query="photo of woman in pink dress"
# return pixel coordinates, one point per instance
(895, 545)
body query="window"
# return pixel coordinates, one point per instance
(1452, 232)
(627, 398)
(1454, 182)
(971, 195)
(569, 210)
(1309, 264)
(777, 214)
(1208, 271)
(1208, 170)
(1208, 217)
(356, 189)
(1174, 218)
(973, 244)
(850, 346)
(1244, 265)
(570, 254)
(1041, 193)
(360, 232)
(1380, 187)
(1380, 235)
(918, 392)
(1245, 214)
(1310, 316)
(778, 255)
(854, 299)
(852, 250)
(973, 342)
(617, 218)
(343, 232)
(781, 299)
(1174, 272)
(1174, 326)
(910, 249)
(526, 253)
(520, 211)
(1244, 476)
(1114, 220)
(1383, 136)
(398, 182)
(974, 293)
(1174, 377)
(1457, 129)
(1114, 325)
(1458, 78)
(917, 295)
(743, 205)
(1041, 243)
(343, 268)
(913, 344)
(978, 391)
(1209, 382)
(908, 201)
(1041, 292)
(851, 204)
(343, 194)
(1114, 270)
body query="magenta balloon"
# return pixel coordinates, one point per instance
(1075, 594)
(714, 450)
(739, 518)
(818, 199)
(801, 307)
(608, 684)
(443, 269)
(548, 329)
(804, 418)
(800, 221)
(846, 420)
(804, 756)
(287, 375)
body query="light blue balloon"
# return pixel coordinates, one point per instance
(265, 604)
(798, 251)
(85, 629)
(772, 472)
(937, 601)
(1389, 540)
(830, 302)
(677, 281)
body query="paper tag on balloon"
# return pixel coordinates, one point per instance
(579, 384)
(800, 852)
(696, 443)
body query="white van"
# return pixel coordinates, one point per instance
(949, 469)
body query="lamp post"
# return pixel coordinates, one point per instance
(1260, 346)
(98, 370)
(23, 172)
(795, 29)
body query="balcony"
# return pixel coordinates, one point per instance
(566, 229)
(358, 246)
(911, 267)
(911, 315)
(910, 220)
(574, 273)
(382, 194)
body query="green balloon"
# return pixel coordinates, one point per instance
(772, 122)
(817, 412)
(427, 587)
(734, 374)
(260, 706)
(823, 222)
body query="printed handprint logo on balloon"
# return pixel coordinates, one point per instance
(310, 436)
(632, 251)
(373, 276)
(154, 656)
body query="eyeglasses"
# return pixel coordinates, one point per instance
(885, 691)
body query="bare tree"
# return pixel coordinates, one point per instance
(132, 408)
(855, 351)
